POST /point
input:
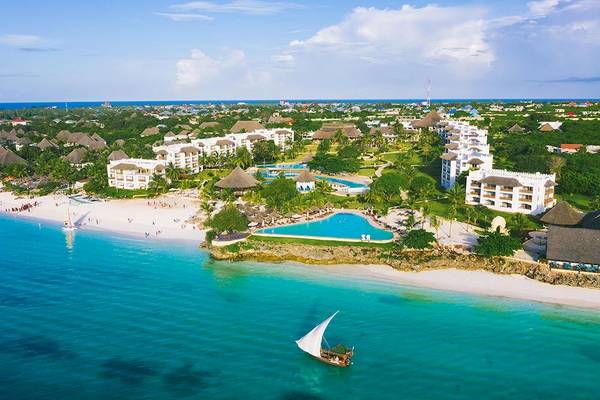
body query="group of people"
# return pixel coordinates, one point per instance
(25, 207)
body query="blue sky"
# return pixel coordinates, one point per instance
(253, 49)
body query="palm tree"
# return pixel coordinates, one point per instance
(518, 224)
(158, 184)
(456, 198)
(206, 208)
(425, 212)
(435, 223)
(172, 173)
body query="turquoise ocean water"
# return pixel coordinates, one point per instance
(105, 317)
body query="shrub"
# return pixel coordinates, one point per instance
(229, 219)
(495, 244)
(419, 239)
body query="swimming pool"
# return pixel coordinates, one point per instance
(338, 226)
(282, 166)
(352, 187)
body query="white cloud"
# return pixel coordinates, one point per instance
(283, 59)
(22, 41)
(427, 34)
(542, 8)
(200, 69)
(257, 7)
(185, 17)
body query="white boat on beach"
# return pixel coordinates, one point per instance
(68, 224)
(310, 343)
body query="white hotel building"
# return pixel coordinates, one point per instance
(466, 148)
(508, 191)
(186, 155)
(133, 173)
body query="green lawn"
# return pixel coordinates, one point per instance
(369, 172)
(579, 201)
(315, 242)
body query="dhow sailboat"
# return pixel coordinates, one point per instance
(310, 343)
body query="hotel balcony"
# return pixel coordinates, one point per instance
(526, 199)
(489, 187)
(526, 189)
(506, 188)
(504, 197)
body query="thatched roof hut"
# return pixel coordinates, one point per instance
(516, 128)
(76, 156)
(46, 144)
(238, 179)
(428, 121)
(246, 126)
(562, 214)
(150, 131)
(305, 176)
(117, 155)
(575, 245)
(9, 157)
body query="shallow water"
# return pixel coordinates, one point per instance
(110, 317)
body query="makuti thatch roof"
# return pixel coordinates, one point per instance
(238, 179)
(516, 128)
(150, 131)
(9, 157)
(46, 144)
(210, 124)
(246, 126)
(76, 156)
(305, 176)
(562, 214)
(117, 155)
(429, 120)
(576, 245)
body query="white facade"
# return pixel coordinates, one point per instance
(133, 173)
(182, 155)
(508, 191)
(223, 145)
(466, 148)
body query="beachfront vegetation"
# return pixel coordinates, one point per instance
(495, 244)
(418, 239)
(228, 220)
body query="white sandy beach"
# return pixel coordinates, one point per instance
(165, 217)
(480, 283)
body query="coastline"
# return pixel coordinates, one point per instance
(168, 219)
(480, 283)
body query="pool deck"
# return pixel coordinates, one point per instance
(371, 221)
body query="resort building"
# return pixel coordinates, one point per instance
(508, 191)
(134, 173)
(305, 181)
(550, 126)
(466, 148)
(329, 129)
(573, 238)
(246, 127)
(182, 155)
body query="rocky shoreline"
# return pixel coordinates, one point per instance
(401, 260)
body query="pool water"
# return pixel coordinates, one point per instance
(353, 186)
(282, 166)
(337, 226)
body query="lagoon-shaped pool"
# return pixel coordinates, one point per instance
(338, 226)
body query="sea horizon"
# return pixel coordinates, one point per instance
(141, 103)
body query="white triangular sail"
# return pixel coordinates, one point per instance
(311, 342)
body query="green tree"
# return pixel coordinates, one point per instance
(495, 244)
(265, 151)
(242, 158)
(419, 239)
(229, 219)
(158, 184)
(279, 193)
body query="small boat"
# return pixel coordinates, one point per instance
(339, 355)
(68, 224)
